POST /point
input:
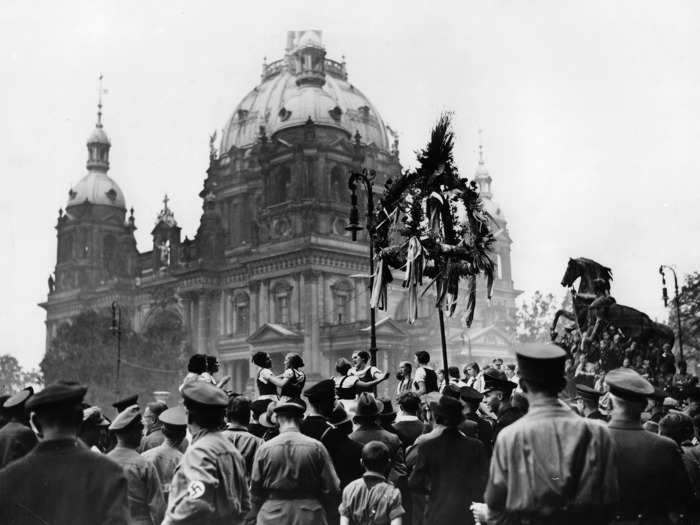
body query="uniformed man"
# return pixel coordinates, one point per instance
(587, 402)
(551, 466)
(209, 485)
(125, 402)
(146, 501)
(472, 399)
(93, 427)
(153, 431)
(653, 481)
(61, 481)
(321, 398)
(16, 438)
(293, 480)
(166, 456)
(237, 421)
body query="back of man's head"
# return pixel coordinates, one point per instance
(409, 402)
(238, 410)
(375, 457)
(157, 408)
(677, 426)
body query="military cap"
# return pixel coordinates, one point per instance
(259, 406)
(126, 402)
(3, 398)
(497, 380)
(125, 418)
(540, 362)
(93, 416)
(586, 392)
(469, 394)
(205, 394)
(293, 406)
(19, 399)
(628, 384)
(323, 390)
(175, 416)
(62, 392)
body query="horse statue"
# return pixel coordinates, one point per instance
(594, 308)
(588, 271)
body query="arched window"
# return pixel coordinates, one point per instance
(339, 185)
(241, 314)
(342, 302)
(281, 297)
(280, 183)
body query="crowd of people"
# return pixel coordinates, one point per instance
(535, 441)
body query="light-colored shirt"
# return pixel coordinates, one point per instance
(145, 494)
(550, 459)
(371, 499)
(165, 459)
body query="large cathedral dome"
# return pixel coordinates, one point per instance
(301, 86)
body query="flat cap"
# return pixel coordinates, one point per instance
(126, 417)
(467, 393)
(93, 416)
(18, 399)
(628, 384)
(293, 406)
(62, 392)
(126, 402)
(323, 390)
(205, 393)
(175, 416)
(540, 361)
(586, 392)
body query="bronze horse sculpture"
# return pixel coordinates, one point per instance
(632, 323)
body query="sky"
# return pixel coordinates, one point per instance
(590, 113)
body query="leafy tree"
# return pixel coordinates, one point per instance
(85, 351)
(13, 377)
(690, 315)
(534, 318)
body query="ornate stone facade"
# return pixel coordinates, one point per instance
(271, 266)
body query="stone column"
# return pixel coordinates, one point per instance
(202, 324)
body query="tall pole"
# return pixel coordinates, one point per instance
(444, 346)
(116, 329)
(366, 179)
(676, 300)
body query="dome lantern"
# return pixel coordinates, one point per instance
(98, 143)
(309, 57)
(482, 175)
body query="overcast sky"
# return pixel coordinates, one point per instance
(590, 112)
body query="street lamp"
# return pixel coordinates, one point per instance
(116, 330)
(354, 226)
(678, 308)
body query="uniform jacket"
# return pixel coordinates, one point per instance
(408, 428)
(246, 443)
(452, 470)
(210, 484)
(484, 430)
(293, 481)
(552, 462)
(62, 482)
(145, 494)
(16, 440)
(165, 458)
(652, 478)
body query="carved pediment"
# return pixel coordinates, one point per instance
(271, 332)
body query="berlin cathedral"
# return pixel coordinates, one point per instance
(271, 266)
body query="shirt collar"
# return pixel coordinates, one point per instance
(624, 424)
(236, 426)
(370, 474)
(406, 417)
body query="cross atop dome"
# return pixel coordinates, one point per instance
(166, 215)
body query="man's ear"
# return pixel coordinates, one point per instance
(499, 395)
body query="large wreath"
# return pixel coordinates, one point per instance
(432, 224)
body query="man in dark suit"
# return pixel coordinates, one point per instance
(652, 480)
(61, 481)
(472, 399)
(407, 425)
(451, 468)
(16, 438)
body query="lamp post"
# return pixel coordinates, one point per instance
(116, 329)
(367, 179)
(678, 308)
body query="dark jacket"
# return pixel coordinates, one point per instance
(408, 431)
(62, 482)
(651, 477)
(16, 440)
(484, 430)
(452, 469)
